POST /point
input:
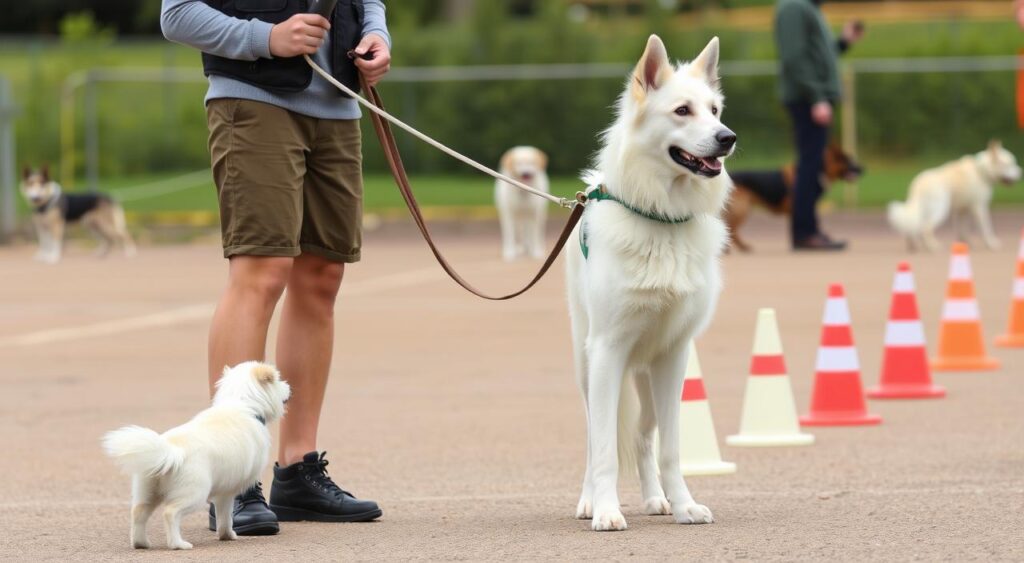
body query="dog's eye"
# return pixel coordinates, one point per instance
(714, 110)
(683, 110)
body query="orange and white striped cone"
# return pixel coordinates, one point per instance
(905, 373)
(698, 443)
(838, 397)
(961, 341)
(769, 412)
(1014, 337)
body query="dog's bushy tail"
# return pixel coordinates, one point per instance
(139, 450)
(903, 219)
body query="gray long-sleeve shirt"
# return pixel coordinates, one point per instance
(193, 23)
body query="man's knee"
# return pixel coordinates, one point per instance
(263, 277)
(316, 280)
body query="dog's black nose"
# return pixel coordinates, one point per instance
(726, 138)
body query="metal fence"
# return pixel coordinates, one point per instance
(81, 90)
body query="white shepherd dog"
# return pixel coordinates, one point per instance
(647, 279)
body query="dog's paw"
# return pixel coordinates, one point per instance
(229, 536)
(608, 521)
(693, 513)
(140, 543)
(656, 506)
(584, 509)
(180, 545)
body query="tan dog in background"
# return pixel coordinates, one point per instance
(962, 188)
(53, 210)
(522, 215)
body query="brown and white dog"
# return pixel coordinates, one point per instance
(53, 210)
(773, 190)
(522, 215)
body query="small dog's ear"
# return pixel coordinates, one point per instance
(543, 159)
(506, 161)
(706, 63)
(264, 373)
(26, 172)
(653, 70)
(44, 171)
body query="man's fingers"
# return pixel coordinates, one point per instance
(373, 64)
(314, 31)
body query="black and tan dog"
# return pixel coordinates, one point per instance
(773, 190)
(53, 210)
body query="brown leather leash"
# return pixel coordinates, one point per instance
(394, 158)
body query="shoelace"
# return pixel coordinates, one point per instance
(323, 480)
(252, 495)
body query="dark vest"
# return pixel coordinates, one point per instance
(292, 74)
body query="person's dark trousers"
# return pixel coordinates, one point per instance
(811, 140)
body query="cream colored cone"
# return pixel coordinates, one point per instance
(698, 443)
(769, 412)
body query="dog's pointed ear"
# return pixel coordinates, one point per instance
(264, 373)
(44, 171)
(994, 146)
(653, 70)
(705, 66)
(26, 172)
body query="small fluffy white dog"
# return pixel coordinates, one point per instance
(522, 214)
(962, 188)
(211, 458)
(646, 278)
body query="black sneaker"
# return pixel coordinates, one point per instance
(304, 491)
(251, 517)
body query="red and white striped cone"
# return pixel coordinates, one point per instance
(838, 397)
(698, 443)
(769, 412)
(905, 371)
(1014, 337)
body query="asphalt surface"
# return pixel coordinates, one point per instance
(461, 418)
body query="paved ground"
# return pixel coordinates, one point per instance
(461, 418)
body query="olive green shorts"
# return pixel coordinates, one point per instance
(287, 184)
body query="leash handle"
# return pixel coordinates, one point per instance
(394, 158)
(322, 7)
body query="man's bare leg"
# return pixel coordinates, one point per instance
(304, 347)
(238, 332)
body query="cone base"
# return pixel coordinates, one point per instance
(840, 419)
(1010, 341)
(710, 468)
(769, 440)
(964, 364)
(907, 392)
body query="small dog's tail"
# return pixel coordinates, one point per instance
(903, 219)
(142, 451)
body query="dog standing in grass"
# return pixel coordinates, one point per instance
(522, 215)
(211, 458)
(646, 278)
(53, 210)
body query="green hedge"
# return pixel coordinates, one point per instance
(151, 128)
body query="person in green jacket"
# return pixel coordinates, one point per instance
(809, 85)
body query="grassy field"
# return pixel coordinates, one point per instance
(882, 183)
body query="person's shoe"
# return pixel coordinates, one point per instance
(252, 516)
(819, 241)
(304, 491)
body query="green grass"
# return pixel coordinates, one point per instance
(883, 183)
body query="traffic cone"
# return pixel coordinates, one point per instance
(769, 413)
(838, 398)
(905, 373)
(698, 443)
(1014, 337)
(961, 342)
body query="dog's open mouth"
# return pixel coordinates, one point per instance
(709, 166)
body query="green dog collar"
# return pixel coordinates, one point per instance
(601, 194)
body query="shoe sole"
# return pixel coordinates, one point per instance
(288, 514)
(254, 529)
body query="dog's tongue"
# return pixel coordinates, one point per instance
(712, 163)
